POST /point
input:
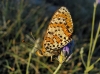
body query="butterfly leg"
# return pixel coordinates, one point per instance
(51, 58)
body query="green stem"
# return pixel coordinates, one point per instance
(57, 68)
(30, 55)
(96, 61)
(91, 40)
(81, 54)
(27, 71)
(94, 44)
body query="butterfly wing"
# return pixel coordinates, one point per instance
(59, 31)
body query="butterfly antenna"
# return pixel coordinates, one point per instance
(33, 37)
(36, 45)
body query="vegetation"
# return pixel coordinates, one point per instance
(22, 28)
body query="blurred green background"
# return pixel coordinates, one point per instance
(20, 18)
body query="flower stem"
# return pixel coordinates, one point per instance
(91, 40)
(60, 64)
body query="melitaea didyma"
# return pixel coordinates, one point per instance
(58, 34)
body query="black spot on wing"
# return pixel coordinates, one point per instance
(50, 32)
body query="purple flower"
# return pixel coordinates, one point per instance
(67, 50)
(98, 1)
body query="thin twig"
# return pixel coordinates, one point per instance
(60, 64)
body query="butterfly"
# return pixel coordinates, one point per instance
(58, 34)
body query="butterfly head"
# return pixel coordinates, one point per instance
(43, 52)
